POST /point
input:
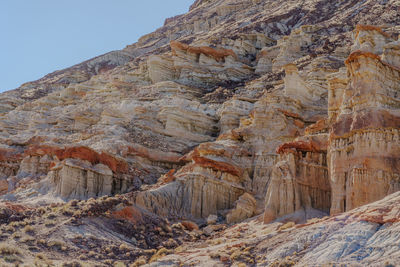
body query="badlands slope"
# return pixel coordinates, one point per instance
(242, 133)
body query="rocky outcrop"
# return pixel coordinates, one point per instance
(206, 66)
(234, 109)
(363, 123)
(363, 236)
(364, 150)
(205, 186)
(368, 38)
(245, 207)
(204, 96)
(294, 46)
(75, 179)
(299, 180)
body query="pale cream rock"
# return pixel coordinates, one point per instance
(369, 38)
(34, 165)
(265, 59)
(198, 192)
(391, 54)
(231, 112)
(75, 179)
(212, 219)
(299, 182)
(292, 47)
(245, 208)
(295, 86)
(161, 68)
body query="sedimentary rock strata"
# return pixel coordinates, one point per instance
(364, 146)
(299, 180)
(275, 110)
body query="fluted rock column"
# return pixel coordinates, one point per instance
(364, 148)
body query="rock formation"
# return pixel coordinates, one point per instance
(362, 109)
(237, 109)
(364, 140)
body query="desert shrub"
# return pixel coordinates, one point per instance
(142, 260)
(123, 248)
(51, 216)
(16, 235)
(28, 229)
(287, 226)
(119, 264)
(42, 261)
(49, 223)
(159, 254)
(9, 229)
(72, 264)
(12, 258)
(8, 250)
(57, 245)
(27, 239)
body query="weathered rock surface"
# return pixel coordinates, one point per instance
(300, 179)
(244, 208)
(278, 109)
(364, 152)
(364, 236)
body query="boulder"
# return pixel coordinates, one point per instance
(244, 208)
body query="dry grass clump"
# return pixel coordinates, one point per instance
(10, 253)
(42, 261)
(142, 260)
(41, 242)
(27, 239)
(56, 244)
(9, 229)
(72, 264)
(16, 235)
(287, 226)
(28, 229)
(12, 259)
(286, 262)
(49, 223)
(242, 254)
(51, 216)
(67, 210)
(108, 261)
(41, 210)
(17, 223)
(124, 248)
(159, 254)
(8, 250)
(119, 264)
(91, 254)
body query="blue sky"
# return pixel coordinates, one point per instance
(40, 36)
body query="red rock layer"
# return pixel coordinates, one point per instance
(80, 152)
(217, 53)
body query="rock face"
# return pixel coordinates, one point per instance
(232, 101)
(79, 180)
(364, 151)
(299, 180)
(245, 207)
(285, 110)
(358, 162)
(364, 236)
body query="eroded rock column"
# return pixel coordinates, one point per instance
(364, 149)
